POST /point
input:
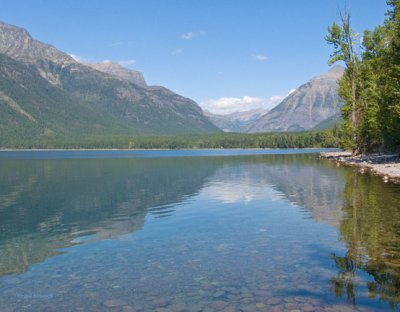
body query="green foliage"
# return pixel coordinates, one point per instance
(370, 85)
(327, 138)
(370, 229)
(343, 39)
(84, 101)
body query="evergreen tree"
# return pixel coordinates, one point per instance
(390, 105)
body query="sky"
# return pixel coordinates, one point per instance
(227, 55)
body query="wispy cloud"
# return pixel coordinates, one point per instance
(127, 62)
(77, 57)
(176, 52)
(116, 44)
(241, 190)
(227, 105)
(122, 62)
(260, 57)
(191, 34)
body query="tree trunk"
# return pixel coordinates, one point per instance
(353, 113)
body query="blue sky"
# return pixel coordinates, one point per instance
(239, 53)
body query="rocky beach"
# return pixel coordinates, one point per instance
(384, 165)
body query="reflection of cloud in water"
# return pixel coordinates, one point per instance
(237, 191)
(308, 184)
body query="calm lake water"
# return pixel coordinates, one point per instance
(279, 230)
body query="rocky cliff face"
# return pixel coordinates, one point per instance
(44, 91)
(120, 72)
(306, 107)
(17, 43)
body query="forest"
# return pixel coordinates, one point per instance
(370, 86)
(320, 139)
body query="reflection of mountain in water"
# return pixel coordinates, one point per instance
(362, 207)
(309, 183)
(46, 204)
(302, 179)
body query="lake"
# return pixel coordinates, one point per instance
(223, 230)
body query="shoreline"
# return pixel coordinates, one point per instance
(152, 149)
(386, 166)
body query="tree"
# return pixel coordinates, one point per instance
(343, 39)
(372, 70)
(390, 104)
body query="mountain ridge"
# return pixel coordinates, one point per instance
(66, 97)
(119, 71)
(306, 107)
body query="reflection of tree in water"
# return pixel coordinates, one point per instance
(371, 231)
(344, 283)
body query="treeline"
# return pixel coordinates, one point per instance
(370, 85)
(320, 139)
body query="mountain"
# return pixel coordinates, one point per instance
(329, 123)
(237, 121)
(306, 107)
(120, 72)
(45, 92)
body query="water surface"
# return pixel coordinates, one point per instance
(222, 231)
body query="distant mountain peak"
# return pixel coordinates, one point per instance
(8, 27)
(306, 107)
(16, 42)
(335, 72)
(237, 121)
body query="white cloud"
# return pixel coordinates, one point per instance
(191, 34)
(176, 52)
(291, 91)
(241, 190)
(260, 57)
(127, 62)
(83, 60)
(122, 63)
(77, 57)
(227, 105)
(116, 44)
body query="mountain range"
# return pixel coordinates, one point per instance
(314, 105)
(237, 121)
(310, 106)
(46, 92)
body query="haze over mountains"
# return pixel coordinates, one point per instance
(237, 121)
(45, 92)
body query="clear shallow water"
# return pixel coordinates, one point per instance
(95, 232)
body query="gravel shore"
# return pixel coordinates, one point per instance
(387, 166)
